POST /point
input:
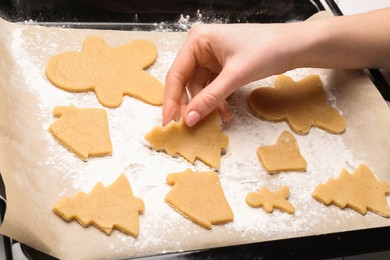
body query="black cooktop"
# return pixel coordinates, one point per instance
(157, 11)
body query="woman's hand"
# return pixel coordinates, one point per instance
(215, 61)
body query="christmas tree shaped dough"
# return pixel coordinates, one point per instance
(283, 156)
(203, 141)
(113, 207)
(269, 200)
(110, 72)
(302, 104)
(82, 131)
(360, 191)
(199, 197)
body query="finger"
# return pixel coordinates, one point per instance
(178, 112)
(200, 79)
(211, 97)
(170, 111)
(203, 77)
(225, 112)
(180, 72)
(183, 104)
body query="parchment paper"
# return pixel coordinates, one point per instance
(37, 170)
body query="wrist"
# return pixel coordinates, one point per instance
(348, 42)
(309, 44)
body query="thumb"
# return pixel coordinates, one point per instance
(210, 97)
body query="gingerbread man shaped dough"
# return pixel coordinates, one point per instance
(301, 103)
(110, 72)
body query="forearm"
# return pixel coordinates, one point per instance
(230, 56)
(357, 41)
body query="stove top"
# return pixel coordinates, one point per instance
(150, 12)
(150, 15)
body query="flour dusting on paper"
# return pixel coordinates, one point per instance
(240, 171)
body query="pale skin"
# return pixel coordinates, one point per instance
(216, 60)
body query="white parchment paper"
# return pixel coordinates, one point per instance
(37, 170)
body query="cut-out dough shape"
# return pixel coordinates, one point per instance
(269, 200)
(360, 191)
(199, 197)
(203, 141)
(106, 208)
(110, 72)
(82, 131)
(283, 156)
(302, 104)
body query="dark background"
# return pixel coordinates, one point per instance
(156, 11)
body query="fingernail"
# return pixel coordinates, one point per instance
(192, 118)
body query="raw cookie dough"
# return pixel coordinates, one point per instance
(283, 156)
(203, 141)
(83, 131)
(269, 200)
(199, 197)
(113, 207)
(360, 191)
(302, 104)
(110, 72)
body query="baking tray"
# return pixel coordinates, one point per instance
(179, 18)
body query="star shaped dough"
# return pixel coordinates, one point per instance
(203, 141)
(283, 156)
(269, 200)
(82, 131)
(113, 207)
(199, 197)
(360, 191)
(302, 104)
(110, 72)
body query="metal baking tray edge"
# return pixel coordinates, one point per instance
(311, 247)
